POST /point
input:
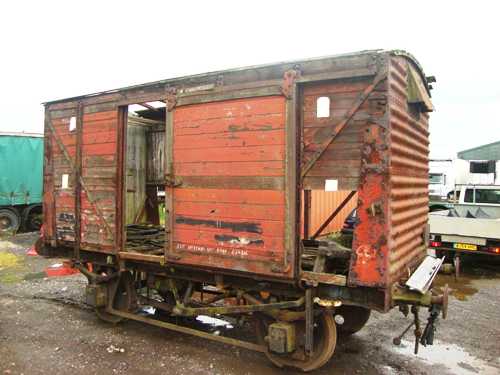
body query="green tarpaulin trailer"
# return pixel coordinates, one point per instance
(21, 180)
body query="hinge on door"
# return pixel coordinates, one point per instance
(280, 268)
(172, 181)
(173, 257)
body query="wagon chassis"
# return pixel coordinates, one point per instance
(291, 301)
(113, 304)
(302, 305)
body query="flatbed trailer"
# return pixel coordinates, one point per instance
(235, 155)
(470, 226)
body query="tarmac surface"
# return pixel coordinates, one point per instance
(45, 327)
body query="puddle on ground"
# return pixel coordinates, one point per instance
(214, 322)
(466, 285)
(147, 310)
(453, 357)
(461, 289)
(208, 321)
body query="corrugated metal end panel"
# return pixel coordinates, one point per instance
(409, 152)
(323, 203)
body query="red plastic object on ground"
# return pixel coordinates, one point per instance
(60, 269)
(32, 251)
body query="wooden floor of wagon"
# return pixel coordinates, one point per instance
(145, 239)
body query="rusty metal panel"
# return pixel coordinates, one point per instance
(393, 196)
(230, 226)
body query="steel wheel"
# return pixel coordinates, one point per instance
(355, 318)
(124, 299)
(325, 340)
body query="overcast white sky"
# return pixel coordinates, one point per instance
(52, 49)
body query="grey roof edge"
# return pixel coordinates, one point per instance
(395, 52)
(459, 153)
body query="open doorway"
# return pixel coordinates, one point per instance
(144, 212)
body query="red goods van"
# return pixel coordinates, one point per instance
(188, 195)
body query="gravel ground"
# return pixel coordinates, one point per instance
(46, 328)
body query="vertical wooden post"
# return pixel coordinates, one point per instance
(291, 165)
(169, 190)
(78, 184)
(49, 205)
(121, 134)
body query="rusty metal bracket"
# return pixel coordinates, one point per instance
(337, 129)
(92, 277)
(289, 79)
(173, 257)
(280, 268)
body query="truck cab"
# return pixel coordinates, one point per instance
(441, 179)
(480, 195)
(437, 185)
